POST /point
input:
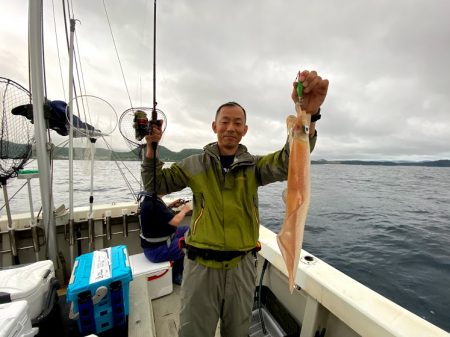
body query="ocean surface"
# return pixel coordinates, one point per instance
(387, 227)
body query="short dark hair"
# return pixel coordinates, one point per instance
(231, 104)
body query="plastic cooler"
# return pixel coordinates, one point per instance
(98, 289)
(159, 275)
(34, 283)
(14, 320)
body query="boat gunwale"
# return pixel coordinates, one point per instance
(365, 311)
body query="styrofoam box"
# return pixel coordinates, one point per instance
(159, 275)
(14, 320)
(30, 283)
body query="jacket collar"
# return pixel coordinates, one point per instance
(241, 154)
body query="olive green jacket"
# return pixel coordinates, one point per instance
(225, 204)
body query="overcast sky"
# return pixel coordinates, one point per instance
(387, 63)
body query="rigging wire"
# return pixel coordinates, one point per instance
(143, 34)
(71, 2)
(79, 79)
(57, 49)
(43, 54)
(127, 182)
(66, 24)
(67, 7)
(12, 197)
(81, 83)
(77, 60)
(62, 144)
(117, 53)
(80, 70)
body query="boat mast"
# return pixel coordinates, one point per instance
(35, 32)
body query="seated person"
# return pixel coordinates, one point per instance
(161, 231)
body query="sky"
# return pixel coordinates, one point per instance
(387, 63)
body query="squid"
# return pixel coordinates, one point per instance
(297, 194)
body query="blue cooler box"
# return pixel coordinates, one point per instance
(98, 289)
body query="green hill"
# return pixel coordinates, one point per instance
(166, 155)
(104, 154)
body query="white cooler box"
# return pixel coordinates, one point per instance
(34, 283)
(14, 320)
(159, 275)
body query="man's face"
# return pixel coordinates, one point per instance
(230, 127)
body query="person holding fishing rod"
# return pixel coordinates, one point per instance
(221, 244)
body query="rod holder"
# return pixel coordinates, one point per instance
(108, 224)
(71, 232)
(35, 238)
(12, 242)
(91, 233)
(125, 222)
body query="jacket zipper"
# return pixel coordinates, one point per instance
(255, 215)
(194, 227)
(196, 221)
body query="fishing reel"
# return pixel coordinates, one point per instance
(142, 125)
(178, 203)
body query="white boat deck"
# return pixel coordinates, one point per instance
(154, 318)
(140, 317)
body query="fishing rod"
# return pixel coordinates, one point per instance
(143, 125)
(154, 120)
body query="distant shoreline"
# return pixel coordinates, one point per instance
(431, 163)
(62, 153)
(171, 156)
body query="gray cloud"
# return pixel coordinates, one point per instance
(387, 63)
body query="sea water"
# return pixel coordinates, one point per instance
(388, 227)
